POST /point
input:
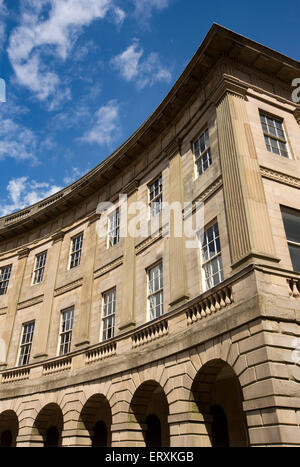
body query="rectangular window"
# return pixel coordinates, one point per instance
(155, 291)
(65, 336)
(274, 135)
(108, 314)
(202, 153)
(26, 342)
(4, 278)
(155, 196)
(39, 267)
(291, 221)
(76, 248)
(211, 256)
(114, 228)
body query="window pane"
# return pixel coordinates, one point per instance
(291, 222)
(295, 256)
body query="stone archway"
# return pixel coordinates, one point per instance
(149, 407)
(217, 392)
(95, 418)
(9, 428)
(48, 426)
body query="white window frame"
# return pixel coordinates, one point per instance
(277, 137)
(204, 155)
(39, 268)
(5, 273)
(113, 228)
(154, 293)
(106, 317)
(25, 345)
(74, 252)
(290, 242)
(207, 260)
(155, 201)
(65, 332)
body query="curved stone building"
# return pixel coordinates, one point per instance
(113, 339)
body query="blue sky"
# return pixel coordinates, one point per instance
(82, 75)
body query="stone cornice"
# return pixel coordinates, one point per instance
(148, 242)
(108, 267)
(30, 302)
(280, 177)
(66, 288)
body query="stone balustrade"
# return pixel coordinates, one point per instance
(15, 375)
(294, 287)
(215, 302)
(57, 366)
(100, 352)
(150, 333)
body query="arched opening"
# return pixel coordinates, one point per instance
(219, 428)
(6, 439)
(9, 428)
(99, 438)
(51, 437)
(218, 396)
(153, 431)
(49, 424)
(150, 409)
(95, 420)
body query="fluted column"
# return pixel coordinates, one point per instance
(248, 220)
(40, 349)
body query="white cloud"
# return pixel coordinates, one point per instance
(74, 175)
(23, 192)
(16, 141)
(106, 128)
(37, 37)
(145, 72)
(143, 8)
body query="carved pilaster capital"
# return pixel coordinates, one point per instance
(94, 217)
(58, 236)
(23, 253)
(131, 187)
(228, 85)
(297, 115)
(173, 148)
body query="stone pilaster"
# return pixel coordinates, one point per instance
(127, 315)
(177, 253)
(90, 239)
(14, 299)
(43, 324)
(248, 220)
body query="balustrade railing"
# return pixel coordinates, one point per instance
(15, 375)
(57, 366)
(100, 353)
(150, 333)
(294, 287)
(205, 307)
